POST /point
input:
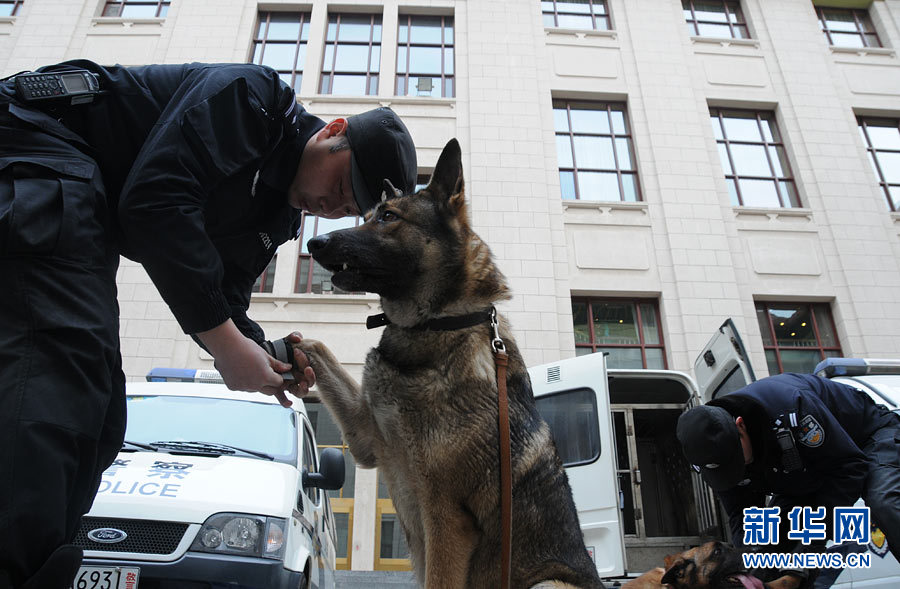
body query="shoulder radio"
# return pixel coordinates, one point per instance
(72, 87)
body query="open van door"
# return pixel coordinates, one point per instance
(572, 396)
(723, 366)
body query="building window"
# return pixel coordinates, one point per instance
(576, 14)
(280, 43)
(629, 330)
(882, 139)
(311, 277)
(9, 7)
(266, 280)
(715, 18)
(352, 55)
(797, 336)
(425, 56)
(137, 9)
(595, 151)
(753, 157)
(847, 27)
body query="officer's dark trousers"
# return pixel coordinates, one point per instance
(882, 488)
(62, 405)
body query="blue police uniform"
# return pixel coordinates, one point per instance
(847, 447)
(183, 168)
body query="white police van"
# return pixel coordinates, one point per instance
(615, 430)
(212, 488)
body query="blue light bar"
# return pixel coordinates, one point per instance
(171, 375)
(183, 375)
(830, 367)
(840, 367)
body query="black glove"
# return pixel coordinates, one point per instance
(282, 351)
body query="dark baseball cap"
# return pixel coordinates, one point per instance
(381, 147)
(711, 442)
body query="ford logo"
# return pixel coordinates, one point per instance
(107, 535)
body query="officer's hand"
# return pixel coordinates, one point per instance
(303, 374)
(245, 366)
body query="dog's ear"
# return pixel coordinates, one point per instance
(389, 191)
(447, 180)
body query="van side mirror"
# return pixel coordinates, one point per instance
(331, 471)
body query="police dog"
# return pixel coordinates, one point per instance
(713, 565)
(426, 413)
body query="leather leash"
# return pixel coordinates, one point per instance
(502, 361)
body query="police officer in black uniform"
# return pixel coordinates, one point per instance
(196, 171)
(806, 440)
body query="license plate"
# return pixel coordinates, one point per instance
(106, 578)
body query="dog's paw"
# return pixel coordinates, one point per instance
(319, 357)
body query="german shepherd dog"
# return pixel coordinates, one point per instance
(426, 413)
(713, 565)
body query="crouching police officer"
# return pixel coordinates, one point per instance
(807, 441)
(196, 171)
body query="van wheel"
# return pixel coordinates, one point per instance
(304, 580)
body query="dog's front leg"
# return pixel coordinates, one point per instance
(450, 539)
(345, 401)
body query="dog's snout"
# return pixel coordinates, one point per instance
(318, 243)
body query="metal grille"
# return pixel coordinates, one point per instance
(144, 536)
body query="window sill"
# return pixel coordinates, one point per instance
(602, 204)
(581, 33)
(6, 24)
(895, 216)
(587, 212)
(725, 41)
(108, 21)
(339, 299)
(375, 100)
(767, 219)
(863, 51)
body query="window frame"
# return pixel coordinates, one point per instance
(777, 349)
(873, 152)
(607, 16)
(403, 78)
(14, 11)
(307, 256)
(162, 6)
(860, 26)
(606, 106)
(261, 40)
(636, 304)
(726, 5)
(260, 283)
(327, 77)
(776, 143)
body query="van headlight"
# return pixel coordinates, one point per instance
(241, 534)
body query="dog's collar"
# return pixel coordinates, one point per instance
(437, 324)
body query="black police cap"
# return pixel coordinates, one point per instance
(381, 148)
(711, 442)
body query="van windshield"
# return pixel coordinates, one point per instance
(258, 427)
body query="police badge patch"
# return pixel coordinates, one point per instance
(878, 544)
(811, 433)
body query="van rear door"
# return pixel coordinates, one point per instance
(723, 366)
(572, 397)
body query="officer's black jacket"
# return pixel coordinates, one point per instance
(197, 160)
(838, 421)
